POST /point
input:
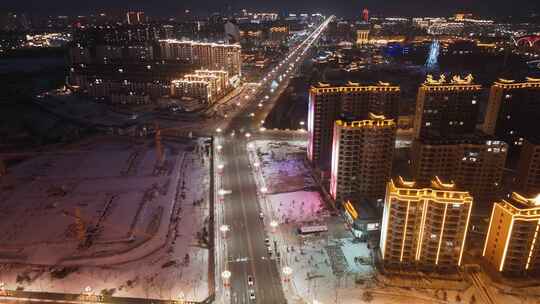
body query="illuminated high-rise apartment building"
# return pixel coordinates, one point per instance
(326, 104)
(362, 36)
(135, 18)
(474, 162)
(213, 56)
(512, 107)
(424, 226)
(446, 108)
(512, 243)
(528, 169)
(362, 154)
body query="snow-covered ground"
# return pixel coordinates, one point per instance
(171, 263)
(282, 165)
(296, 207)
(333, 267)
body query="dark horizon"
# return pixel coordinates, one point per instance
(489, 8)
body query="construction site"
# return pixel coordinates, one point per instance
(108, 202)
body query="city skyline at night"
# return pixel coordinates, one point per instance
(269, 152)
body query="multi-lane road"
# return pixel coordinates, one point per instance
(246, 252)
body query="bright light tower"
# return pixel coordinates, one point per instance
(224, 229)
(226, 275)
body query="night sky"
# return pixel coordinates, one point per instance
(340, 7)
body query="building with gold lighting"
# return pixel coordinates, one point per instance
(512, 243)
(327, 102)
(445, 108)
(362, 36)
(424, 226)
(474, 162)
(362, 154)
(512, 106)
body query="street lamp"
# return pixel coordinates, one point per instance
(224, 229)
(226, 275)
(274, 224)
(302, 123)
(219, 147)
(264, 190)
(181, 297)
(88, 290)
(218, 130)
(287, 271)
(248, 135)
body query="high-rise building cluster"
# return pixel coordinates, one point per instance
(447, 143)
(351, 136)
(455, 161)
(144, 73)
(326, 104)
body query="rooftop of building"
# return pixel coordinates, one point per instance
(456, 82)
(528, 82)
(519, 205)
(213, 44)
(348, 120)
(438, 190)
(349, 85)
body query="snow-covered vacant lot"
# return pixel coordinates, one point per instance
(112, 214)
